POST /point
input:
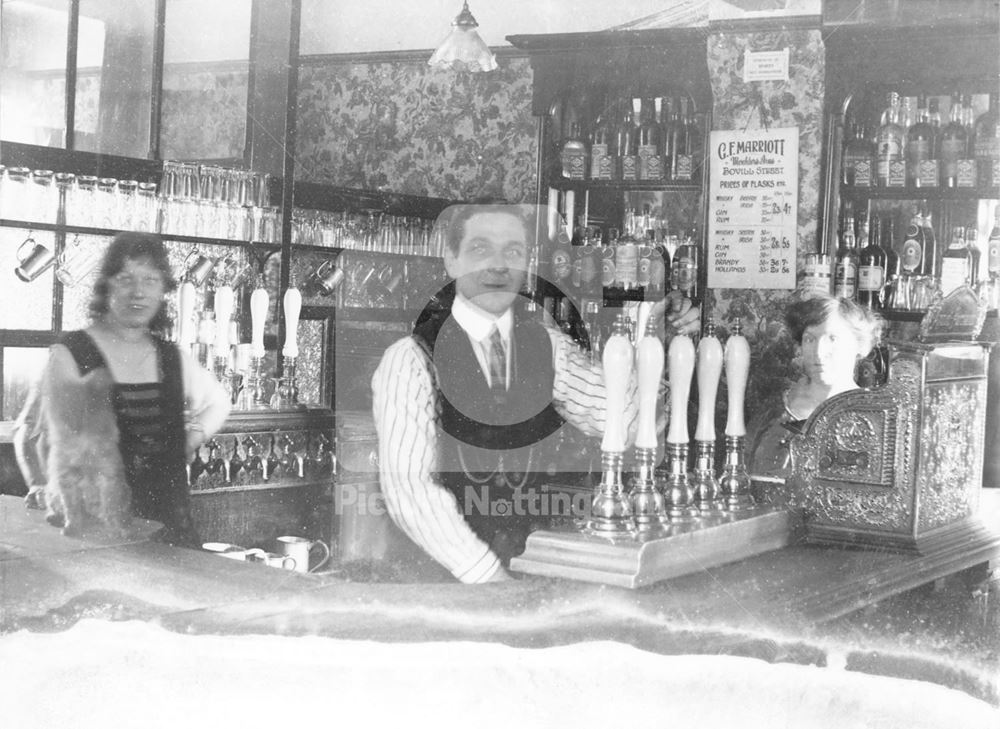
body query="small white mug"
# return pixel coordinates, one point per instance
(298, 548)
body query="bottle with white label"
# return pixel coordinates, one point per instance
(817, 276)
(845, 270)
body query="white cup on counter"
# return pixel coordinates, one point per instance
(299, 549)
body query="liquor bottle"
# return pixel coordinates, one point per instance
(993, 260)
(573, 156)
(858, 165)
(684, 269)
(932, 259)
(608, 272)
(934, 118)
(907, 113)
(892, 266)
(871, 268)
(650, 161)
(845, 267)
(987, 144)
(668, 120)
(956, 263)
(974, 255)
(953, 144)
(889, 146)
(646, 252)
(561, 261)
(659, 266)
(627, 255)
(683, 159)
(911, 253)
(627, 143)
(601, 159)
(921, 162)
(817, 275)
(590, 263)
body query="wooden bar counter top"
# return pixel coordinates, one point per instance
(800, 604)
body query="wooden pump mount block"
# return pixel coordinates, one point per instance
(638, 559)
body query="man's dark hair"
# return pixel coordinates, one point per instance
(451, 222)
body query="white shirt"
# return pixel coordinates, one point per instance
(407, 416)
(478, 324)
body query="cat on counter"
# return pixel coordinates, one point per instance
(86, 489)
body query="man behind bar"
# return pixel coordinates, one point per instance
(464, 406)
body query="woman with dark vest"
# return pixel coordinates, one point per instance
(463, 407)
(164, 404)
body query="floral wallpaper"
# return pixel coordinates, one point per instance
(204, 112)
(405, 127)
(797, 102)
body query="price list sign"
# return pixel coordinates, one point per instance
(752, 214)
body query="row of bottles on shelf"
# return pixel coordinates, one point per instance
(641, 260)
(912, 146)
(651, 139)
(881, 270)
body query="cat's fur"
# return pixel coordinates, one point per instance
(86, 487)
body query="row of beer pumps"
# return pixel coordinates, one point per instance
(670, 494)
(239, 366)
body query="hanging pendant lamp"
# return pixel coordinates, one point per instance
(463, 49)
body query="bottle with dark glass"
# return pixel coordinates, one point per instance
(871, 267)
(892, 267)
(934, 118)
(920, 154)
(956, 262)
(987, 144)
(628, 143)
(601, 159)
(845, 267)
(683, 158)
(668, 120)
(889, 146)
(954, 143)
(650, 161)
(858, 163)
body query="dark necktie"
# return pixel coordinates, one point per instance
(498, 365)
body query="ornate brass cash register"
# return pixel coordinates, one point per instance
(901, 466)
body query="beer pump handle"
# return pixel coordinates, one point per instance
(709, 372)
(617, 361)
(292, 304)
(680, 365)
(185, 313)
(224, 300)
(649, 364)
(259, 301)
(737, 360)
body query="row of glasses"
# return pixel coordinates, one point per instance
(27, 194)
(217, 202)
(366, 231)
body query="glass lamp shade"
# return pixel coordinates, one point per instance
(463, 49)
